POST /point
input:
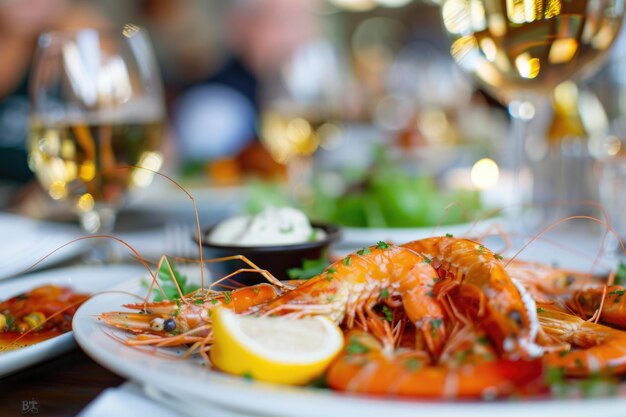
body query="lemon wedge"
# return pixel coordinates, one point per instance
(274, 349)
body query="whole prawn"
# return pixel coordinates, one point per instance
(475, 278)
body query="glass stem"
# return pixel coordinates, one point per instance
(100, 221)
(522, 113)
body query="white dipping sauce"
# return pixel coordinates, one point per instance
(272, 227)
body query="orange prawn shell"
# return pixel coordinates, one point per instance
(484, 288)
(354, 279)
(406, 374)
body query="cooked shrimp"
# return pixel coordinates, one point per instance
(473, 372)
(478, 282)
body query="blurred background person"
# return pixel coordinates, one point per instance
(216, 118)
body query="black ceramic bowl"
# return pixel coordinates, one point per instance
(275, 259)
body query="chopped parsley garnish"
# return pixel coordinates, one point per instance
(481, 248)
(413, 364)
(483, 340)
(248, 376)
(540, 310)
(329, 273)
(198, 301)
(227, 297)
(593, 385)
(214, 301)
(10, 324)
(388, 314)
(618, 292)
(382, 245)
(355, 347)
(384, 293)
(427, 260)
(499, 257)
(449, 235)
(435, 324)
(555, 376)
(462, 355)
(346, 261)
(363, 251)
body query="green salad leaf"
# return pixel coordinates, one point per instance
(310, 268)
(385, 195)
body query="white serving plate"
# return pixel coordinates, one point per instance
(194, 385)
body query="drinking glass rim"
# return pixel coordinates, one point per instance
(132, 30)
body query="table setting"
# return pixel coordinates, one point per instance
(315, 207)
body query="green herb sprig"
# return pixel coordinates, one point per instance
(166, 280)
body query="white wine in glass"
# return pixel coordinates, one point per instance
(519, 50)
(97, 116)
(523, 47)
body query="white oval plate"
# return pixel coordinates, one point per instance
(86, 279)
(194, 384)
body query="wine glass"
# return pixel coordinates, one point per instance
(519, 50)
(302, 110)
(97, 115)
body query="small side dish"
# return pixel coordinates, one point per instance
(39, 314)
(276, 240)
(271, 227)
